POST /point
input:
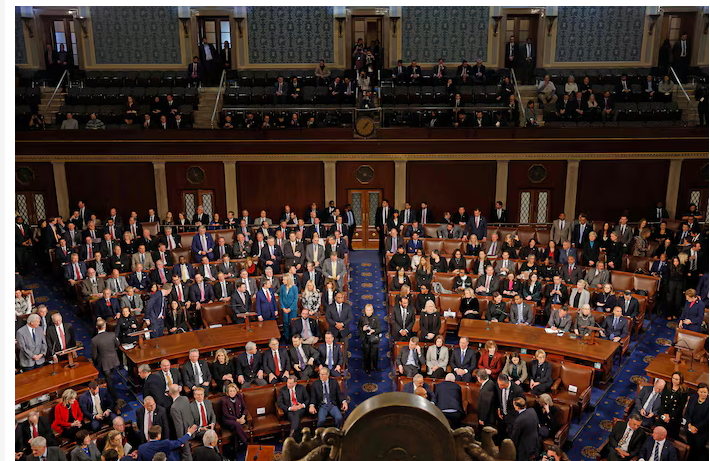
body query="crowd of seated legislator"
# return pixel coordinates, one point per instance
(174, 275)
(294, 273)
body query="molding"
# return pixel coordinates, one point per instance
(299, 157)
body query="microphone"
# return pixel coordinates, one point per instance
(256, 456)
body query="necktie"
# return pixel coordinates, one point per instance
(627, 433)
(34, 338)
(203, 415)
(657, 451)
(277, 364)
(649, 404)
(300, 358)
(34, 431)
(162, 276)
(78, 272)
(488, 282)
(268, 295)
(463, 354)
(616, 320)
(251, 360)
(202, 291)
(169, 379)
(293, 397)
(143, 258)
(505, 401)
(62, 337)
(326, 393)
(330, 357)
(198, 373)
(179, 288)
(170, 242)
(150, 419)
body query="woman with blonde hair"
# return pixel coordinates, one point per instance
(310, 298)
(288, 297)
(580, 295)
(546, 416)
(222, 369)
(423, 274)
(114, 441)
(68, 416)
(540, 374)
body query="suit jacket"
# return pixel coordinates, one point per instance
(269, 365)
(103, 351)
(290, 254)
(668, 453)
(469, 361)
(514, 391)
(320, 257)
(323, 355)
(243, 368)
(53, 454)
(266, 256)
(196, 296)
(571, 276)
(297, 325)
(643, 396)
(135, 260)
(308, 352)
(637, 439)
(633, 309)
(264, 308)
(621, 330)
(24, 432)
(53, 344)
(209, 412)
(219, 293)
(404, 356)
(525, 436)
(447, 396)
(147, 451)
(239, 307)
(101, 309)
(409, 389)
(578, 237)
(86, 402)
(168, 257)
(181, 415)
(541, 373)
(284, 398)
(205, 453)
(30, 347)
(562, 323)
(528, 316)
(443, 232)
(154, 387)
(398, 323)
(189, 379)
(492, 286)
(488, 403)
(479, 231)
(334, 392)
(560, 235)
(177, 270)
(160, 417)
(594, 279)
(332, 317)
(141, 284)
(549, 298)
(197, 247)
(122, 263)
(77, 240)
(69, 270)
(340, 270)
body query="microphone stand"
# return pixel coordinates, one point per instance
(678, 352)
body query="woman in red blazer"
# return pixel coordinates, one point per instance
(492, 361)
(68, 418)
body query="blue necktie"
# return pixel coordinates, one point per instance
(657, 449)
(34, 339)
(616, 320)
(327, 394)
(330, 358)
(463, 354)
(649, 405)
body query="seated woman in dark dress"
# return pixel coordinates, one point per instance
(400, 280)
(222, 370)
(469, 305)
(234, 414)
(438, 264)
(399, 259)
(457, 262)
(510, 286)
(496, 309)
(175, 320)
(546, 416)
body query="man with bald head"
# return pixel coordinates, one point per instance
(657, 447)
(131, 437)
(648, 402)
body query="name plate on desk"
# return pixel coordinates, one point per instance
(449, 314)
(597, 366)
(128, 347)
(217, 325)
(261, 411)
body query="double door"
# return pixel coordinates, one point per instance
(364, 203)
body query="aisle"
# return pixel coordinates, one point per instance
(367, 286)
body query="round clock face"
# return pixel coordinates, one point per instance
(537, 173)
(24, 175)
(365, 126)
(195, 175)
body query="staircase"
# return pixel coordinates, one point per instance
(203, 115)
(527, 93)
(51, 114)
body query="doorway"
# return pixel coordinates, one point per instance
(534, 206)
(522, 27)
(191, 199)
(369, 29)
(364, 204)
(61, 31)
(30, 205)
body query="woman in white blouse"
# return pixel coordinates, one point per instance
(310, 298)
(437, 358)
(23, 304)
(570, 86)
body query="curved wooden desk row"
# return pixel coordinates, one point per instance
(662, 367)
(40, 381)
(601, 355)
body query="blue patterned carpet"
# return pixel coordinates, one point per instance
(367, 286)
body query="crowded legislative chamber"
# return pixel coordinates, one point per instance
(361, 233)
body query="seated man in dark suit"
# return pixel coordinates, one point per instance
(271, 256)
(399, 73)
(249, 367)
(201, 291)
(626, 439)
(648, 402)
(35, 426)
(87, 250)
(447, 396)
(97, 405)
(162, 254)
(196, 373)
(616, 327)
(463, 361)
(658, 442)
(479, 73)
(276, 363)
(160, 275)
(184, 270)
(629, 305)
(107, 307)
(223, 288)
(139, 279)
(410, 360)
(414, 244)
(417, 382)
(571, 272)
(414, 73)
(330, 355)
(302, 357)
(327, 399)
(293, 400)
(307, 327)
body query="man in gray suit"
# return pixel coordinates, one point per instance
(41, 452)
(131, 300)
(294, 253)
(393, 241)
(449, 231)
(182, 419)
(315, 252)
(91, 285)
(202, 413)
(520, 313)
(262, 218)
(249, 282)
(560, 320)
(117, 283)
(626, 234)
(597, 277)
(103, 354)
(335, 269)
(142, 257)
(648, 402)
(32, 344)
(504, 265)
(561, 230)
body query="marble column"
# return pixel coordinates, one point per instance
(502, 181)
(62, 191)
(161, 188)
(230, 187)
(571, 189)
(673, 187)
(400, 183)
(330, 192)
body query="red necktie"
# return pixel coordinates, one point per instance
(278, 365)
(112, 235)
(22, 230)
(34, 431)
(162, 276)
(64, 340)
(76, 269)
(293, 397)
(180, 292)
(570, 271)
(150, 420)
(268, 296)
(251, 360)
(488, 282)
(170, 243)
(202, 292)
(88, 248)
(202, 412)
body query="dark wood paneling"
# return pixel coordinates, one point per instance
(43, 182)
(271, 185)
(606, 188)
(693, 176)
(176, 174)
(383, 179)
(554, 182)
(445, 186)
(126, 186)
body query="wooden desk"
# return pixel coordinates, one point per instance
(40, 381)
(177, 347)
(533, 338)
(662, 367)
(265, 454)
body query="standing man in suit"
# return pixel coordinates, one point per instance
(499, 215)
(447, 396)
(294, 253)
(181, 416)
(103, 353)
(403, 318)
(524, 432)
(60, 335)
(410, 359)
(202, 244)
(194, 71)
(561, 230)
(96, 405)
(382, 217)
(315, 252)
(326, 397)
(339, 317)
(463, 361)
(477, 225)
(155, 312)
(626, 233)
(528, 55)
(293, 401)
(648, 402)
(208, 451)
(149, 415)
(616, 327)
(155, 444)
(266, 306)
(511, 53)
(271, 256)
(626, 439)
(210, 60)
(240, 302)
(507, 392)
(681, 56)
(23, 243)
(658, 447)
(32, 344)
(487, 400)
